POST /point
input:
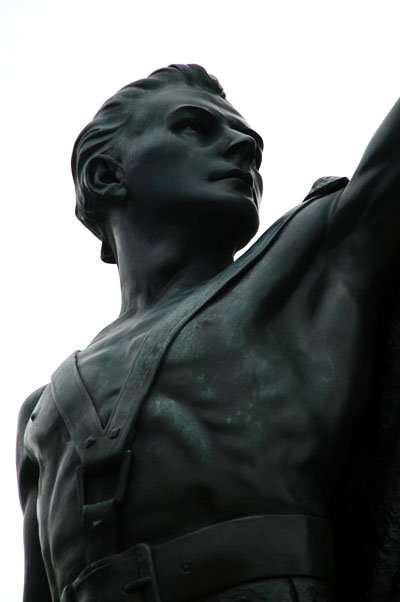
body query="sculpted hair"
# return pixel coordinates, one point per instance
(101, 135)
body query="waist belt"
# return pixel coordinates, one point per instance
(210, 560)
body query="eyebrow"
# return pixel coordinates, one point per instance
(235, 123)
(193, 108)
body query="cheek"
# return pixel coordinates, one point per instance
(167, 168)
(160, 159)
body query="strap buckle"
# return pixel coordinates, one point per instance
(147, 579)
(99, 492)
(89, 482)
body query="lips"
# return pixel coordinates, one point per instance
(246, 176)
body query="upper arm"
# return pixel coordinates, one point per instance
(367, 213)
(36, 587)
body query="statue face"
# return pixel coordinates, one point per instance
(190, 153)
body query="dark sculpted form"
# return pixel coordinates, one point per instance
(198, 448)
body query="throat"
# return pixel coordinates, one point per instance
(166, 282)
(160, 255)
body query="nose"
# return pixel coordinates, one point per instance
(242, 146)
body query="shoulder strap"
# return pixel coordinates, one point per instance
(326, 185)
(103, 475)
(73, 402)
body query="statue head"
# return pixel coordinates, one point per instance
(121, 119)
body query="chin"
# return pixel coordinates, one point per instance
(233, 220)
(245, 237)
(242, 224)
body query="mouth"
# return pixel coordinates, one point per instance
(246, 176)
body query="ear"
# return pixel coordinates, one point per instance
(104, 179)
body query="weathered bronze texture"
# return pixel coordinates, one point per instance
(200, 446)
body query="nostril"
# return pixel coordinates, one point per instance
(244, 148)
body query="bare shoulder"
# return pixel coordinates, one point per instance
(24, 467)
(27, 408)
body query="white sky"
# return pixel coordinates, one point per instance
(314, 77)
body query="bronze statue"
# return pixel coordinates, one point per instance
(193, 450)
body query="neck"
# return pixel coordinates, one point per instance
(164, 262)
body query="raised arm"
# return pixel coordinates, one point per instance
(367, 214)
(36, 587)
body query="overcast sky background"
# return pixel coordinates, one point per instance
(315, 78)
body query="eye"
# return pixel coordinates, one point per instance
(192, 124)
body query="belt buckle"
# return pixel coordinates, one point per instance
(147, 580)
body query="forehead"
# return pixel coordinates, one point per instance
(155, 107)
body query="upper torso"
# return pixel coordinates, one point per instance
(250, 411)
